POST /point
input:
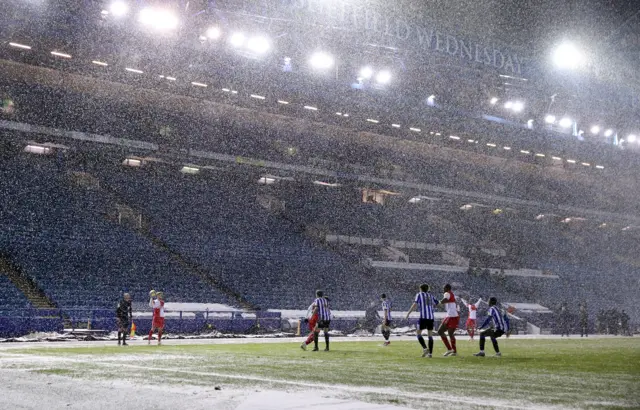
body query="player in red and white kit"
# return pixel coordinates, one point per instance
(450, 322)
(312, 320)
(473, 314)
(156, 301)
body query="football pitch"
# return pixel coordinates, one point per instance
(533, 373)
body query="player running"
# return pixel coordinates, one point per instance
(312, 321)
(424, 301)
(386, 319)
(321, 307)
(450, 322)
(471, 320)
(499, 326)
(124, 317)
(156, 301)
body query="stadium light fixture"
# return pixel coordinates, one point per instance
(310, 107)
(158, 19)
(550, 119)
(237, 40)
(383, 77)
(595, 130)
(258, 44)
(508, 105)
(415, 129)
(518, 106)
(37, 149)
(321, 60)
(18, 45)
(366, 73)
(213, 33)
(133, 70)
(132, 162)
(566, 122)
(197, 84)
(608, 133)
(283, 102)
(267, 180)
(190, 170)
(568, 56)
(118, 8)
(59, 54)
(100, 63)
(493, 101)
(631, 138)
(258, 97)
(395, 125)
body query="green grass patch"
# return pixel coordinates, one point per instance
(57, 372)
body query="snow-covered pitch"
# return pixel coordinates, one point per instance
(358, 373)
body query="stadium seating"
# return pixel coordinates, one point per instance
(60, 236)
(220, 226)
(65, 237)
(11, 299)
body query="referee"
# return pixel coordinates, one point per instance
(124, 316)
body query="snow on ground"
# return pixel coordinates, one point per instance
(28, 390)
(247, 339)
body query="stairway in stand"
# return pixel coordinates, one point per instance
(28, 287)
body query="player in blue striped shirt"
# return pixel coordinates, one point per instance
(499, 326)
(321, 307)
(386, 319)
(425, 302)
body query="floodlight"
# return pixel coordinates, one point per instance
(508, 105)
(567, 56)
(158, 19)
(213, 33)
(258, 44)
(119, 8)
(550, 119)
(518, 106)
(631, 138)
(321, 60)
(608, 133)
(366, 73)
(237, 39)
(566, 122)
(595, 130)
(494, 100)
(383, 77)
